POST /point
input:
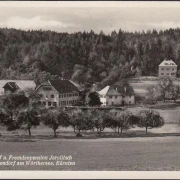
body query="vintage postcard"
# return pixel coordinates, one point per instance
(90, 90)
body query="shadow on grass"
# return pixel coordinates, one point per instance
(85, 135)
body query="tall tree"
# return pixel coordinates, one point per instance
(93, 99)
(149, 119)
(53, 118)
(28, 118)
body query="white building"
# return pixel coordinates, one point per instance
(58, 93)
(167, 68)
(117, 95)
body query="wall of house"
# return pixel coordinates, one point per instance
(103, 100)
(7, 91)
(51, 97)
(129, 99)
(167, 71)
(117, 100)
(114, 100)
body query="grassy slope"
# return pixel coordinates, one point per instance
(140, 86)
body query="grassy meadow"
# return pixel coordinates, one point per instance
(129, 154)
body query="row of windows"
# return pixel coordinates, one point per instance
(49, 103)
(68, 95)
(115, 97)
(46, 88)
(168, 74)
(167, 69)
(61, 103)
(64, 95)
(112, 103)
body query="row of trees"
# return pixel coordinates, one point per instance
(18, 111)
(98, 119)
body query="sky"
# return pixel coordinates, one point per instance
(128, 17)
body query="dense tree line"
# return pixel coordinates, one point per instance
(85, 57)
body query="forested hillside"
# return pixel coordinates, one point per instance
(85, 56)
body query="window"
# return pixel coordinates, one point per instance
(129, 96)
(49, 103)
(46, 88)
(168, 69)
(162, 68)
(44, 103)
(162, 73)
(60, 96)
(129, 102)
(54, 104)
(167, 74)
(110, 97)
(172, 69)
(115, 97)
(52, 95)
(112, 103)
(64, 95)
(172, 73)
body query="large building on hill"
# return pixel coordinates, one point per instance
(167, 68)
(117, 95)
(58, 93)
(13, 86)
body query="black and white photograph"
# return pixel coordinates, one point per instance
(88, 86)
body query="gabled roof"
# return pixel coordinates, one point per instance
(168, 63)
(113, 92)
(104, 91)
(117, 89)
(22, 84)
(62, 86)
(125, 89)
(11, 86)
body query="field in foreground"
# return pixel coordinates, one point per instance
(100, 154)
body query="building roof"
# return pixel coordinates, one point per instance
(117, 89)
(11, 86)
(104, 91)
(113, 92)
(62, 86)
(21, 84)
(168, 63)
(124, 90)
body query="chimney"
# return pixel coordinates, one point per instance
(124, 88)
(116, 88)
